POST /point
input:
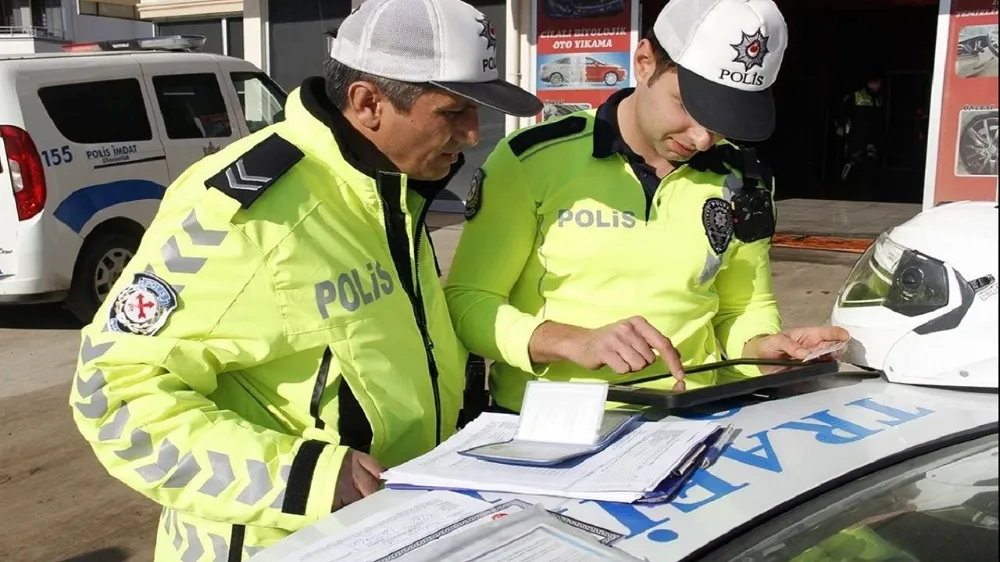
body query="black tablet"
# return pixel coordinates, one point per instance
(794, 372)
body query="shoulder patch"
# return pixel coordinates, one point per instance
(474, 201)
(246, 179)
(521, 142)
(143, 306)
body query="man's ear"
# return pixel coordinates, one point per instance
(366, 103)
(644, 61)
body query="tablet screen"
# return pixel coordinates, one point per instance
(730, 383)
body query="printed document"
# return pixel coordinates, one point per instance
(379, 535)
(625, 471)
(391, 534)
(532, 535)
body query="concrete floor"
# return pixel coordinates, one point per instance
(58, 504)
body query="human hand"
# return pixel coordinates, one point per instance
(795, 343)
(625, 346)
(358, 478)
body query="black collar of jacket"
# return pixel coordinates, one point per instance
(608, 138)
(358, 151)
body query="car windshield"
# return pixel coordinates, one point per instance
(938, 506)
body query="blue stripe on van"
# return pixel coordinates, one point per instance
(83, 204)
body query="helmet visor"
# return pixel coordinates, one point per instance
(896, 277)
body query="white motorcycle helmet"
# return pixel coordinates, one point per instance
(921, 304)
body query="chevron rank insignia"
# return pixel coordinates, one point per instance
(246, 179)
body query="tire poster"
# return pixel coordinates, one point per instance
(583, 52)
(967, 142)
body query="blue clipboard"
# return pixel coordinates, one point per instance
(673, 484)
(535, 453)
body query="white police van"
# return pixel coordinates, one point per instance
(852, 468)
(89, 140)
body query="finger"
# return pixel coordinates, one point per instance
(634, 350)
(615, 362)
(660, 343)
(680, 386)
(632, 337)
(365, 483)
(824, 333)
(791, 348)
(641, 346)
(369, 463)
(346, 494)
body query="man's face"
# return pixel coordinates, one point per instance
(666, 126)
(426, 141)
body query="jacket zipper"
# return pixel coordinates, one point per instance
(414, 292)
(422, 325)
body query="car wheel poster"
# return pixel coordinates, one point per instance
(966, 159)
(583, 52)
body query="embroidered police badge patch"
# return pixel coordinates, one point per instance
(475, 198)
(142, 307)
(717, 217)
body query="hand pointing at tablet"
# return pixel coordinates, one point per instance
(626, 346)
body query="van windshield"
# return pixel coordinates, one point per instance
(262, 100)
(939, 506)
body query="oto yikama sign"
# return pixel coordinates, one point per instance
(583, 52)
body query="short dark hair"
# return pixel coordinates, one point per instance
(339, 77)
(663, 61)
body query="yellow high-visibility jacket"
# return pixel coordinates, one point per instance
(283, 306)
(558, 228)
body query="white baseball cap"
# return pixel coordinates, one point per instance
(446, 43)
(729, 53)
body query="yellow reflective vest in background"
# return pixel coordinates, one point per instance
(283, 306)
(555, 232)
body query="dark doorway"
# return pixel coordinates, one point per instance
(833, 51)
(833, 46)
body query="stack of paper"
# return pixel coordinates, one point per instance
(447, 526)
(648, 463)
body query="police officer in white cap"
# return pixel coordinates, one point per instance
(633, 238)
(281, 334)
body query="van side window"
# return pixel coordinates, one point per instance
(192, 106)
(261, 99)
(105, 111)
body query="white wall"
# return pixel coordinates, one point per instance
(27, 45)
(91, 28)
(80, 28)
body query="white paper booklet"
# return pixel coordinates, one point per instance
(627, 470)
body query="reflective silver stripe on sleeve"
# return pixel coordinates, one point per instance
(195, 550)
(712, 265)
(149, 269)
(165, 461)
(251, 550)
(178, 540)
(92, 388)
(113, 429)
(284, 472)
(219, 547)
(142, 446)
(185, 473)
(89, 352)
(222, 475)
(177, 263)
(200, 236)
(260, 483)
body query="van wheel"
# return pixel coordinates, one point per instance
(102, 261)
